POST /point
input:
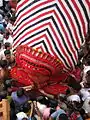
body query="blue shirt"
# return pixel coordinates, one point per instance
(57, 113)
(19, 100)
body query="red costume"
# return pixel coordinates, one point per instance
(39, 69)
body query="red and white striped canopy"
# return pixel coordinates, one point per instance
(57, 27)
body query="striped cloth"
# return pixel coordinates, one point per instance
(57, 27)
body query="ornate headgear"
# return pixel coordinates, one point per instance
(40, 66)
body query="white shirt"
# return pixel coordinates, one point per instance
(84, 93)
(10, 40)
(86, 105)
(10, 26)
(21, 115)
(41, 107)
(1, 38)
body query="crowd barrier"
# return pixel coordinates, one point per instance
(4, 110)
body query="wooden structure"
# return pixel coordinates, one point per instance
(4, 110)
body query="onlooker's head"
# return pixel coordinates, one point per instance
(80, 53)
(6, 18)
(7, 54)
(20, 92)
(6, 35)
(7, 46)
(41, 99)
(62, 97)
(63, 117)
(8, 83)
(12, 20)
(53, 103)
(3, 94)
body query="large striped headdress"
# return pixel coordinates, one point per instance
(57, 27)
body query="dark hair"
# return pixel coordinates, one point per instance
(12, 19)
(20, 92)
(7, 44)
(68, 91)
(80, 53)
(82, 113)
(7, 34)
(6, 52)
(42, 99)
(53, 103)
(8, 83)
(62, 97)
(63, 117)
(34, 118)
(74, 84)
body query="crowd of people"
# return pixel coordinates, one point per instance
(31, 105)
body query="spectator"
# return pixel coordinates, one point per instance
(4, 73)
(5, 21)
(10, 25)
(8, 38)
(7, 46)
(40, 104)
(19, 96)
(9, 57)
